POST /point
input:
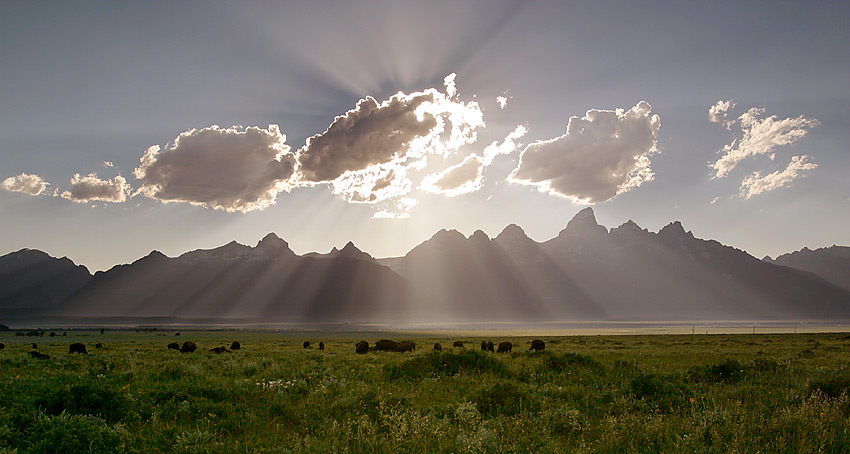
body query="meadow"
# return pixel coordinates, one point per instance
(583, 394)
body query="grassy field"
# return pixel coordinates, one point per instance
(617, 394)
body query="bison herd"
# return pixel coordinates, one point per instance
(361, 347)
(386, 345)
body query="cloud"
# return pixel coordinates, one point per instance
(26, 183)
(374, 184)
(107, 164)
(90, 187)
(459, 179)
(400, 210)
(717, 113)
(508, 146)
(603, 154)
(401, 129)
(230, 169)
(760, 136)
(451, 87)
(502, 101)
(467, 176)
(756, 184)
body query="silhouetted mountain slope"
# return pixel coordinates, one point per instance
(33, 280)
(236, 281)
(671, 274)
(831, 263)
(585, 273)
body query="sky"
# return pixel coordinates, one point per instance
(127, 127)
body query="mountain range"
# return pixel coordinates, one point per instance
(587, 272)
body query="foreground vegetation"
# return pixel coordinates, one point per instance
(617, 394)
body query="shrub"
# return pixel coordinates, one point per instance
(84, 399)
(70, 434)
(503, 399)
(556, 363)
(729, 371)
(436, 364)
(833, 386)
(665, 393)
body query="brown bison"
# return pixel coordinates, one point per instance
(405, 346)
(438, 347)
(98, 345)
(2, 345)
(505, 347)
(487, 346)
(188, 347)
(458, 344)
(34, 345)
(386, 345)
(38, 355)
(77, 347)
(235, 345)
(174, 346)
(219, 350)
(306, 344)
(538, 345)
(321, 345)
(361, 347)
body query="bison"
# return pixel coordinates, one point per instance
(438, 347)
(98, 345)
(505, 347)
(235, 345)
(2, 345)
(38, 355)
(487, 346)
(386, 345)
(77, 347)
(34, 346)
(538, 345)
(174, 346)
(219, 350)
(306, 344)
(458, 344)
(321, 345)
(405, 346)
(188, 347)
(361, 347)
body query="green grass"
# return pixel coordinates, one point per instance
(584, 394)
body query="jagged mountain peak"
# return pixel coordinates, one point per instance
(584, 224)
(479, 236)
(674, 230)
(352, 251)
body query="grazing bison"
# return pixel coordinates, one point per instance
(487, 346)
(2, 345)
(174, 346)
(438, 347)
(306, 344)
(34, 345)
(538, 345)
(505, 347)
(405, 346)
(38, 355)
(98, 345)
(235, 345)
(386, 345)
(77, 347)
(361, 347)
(219, 350)
(321, 345)
(458, 344)
(188, 347)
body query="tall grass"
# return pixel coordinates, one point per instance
(764, 393)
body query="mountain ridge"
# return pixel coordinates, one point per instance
(586, 272)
